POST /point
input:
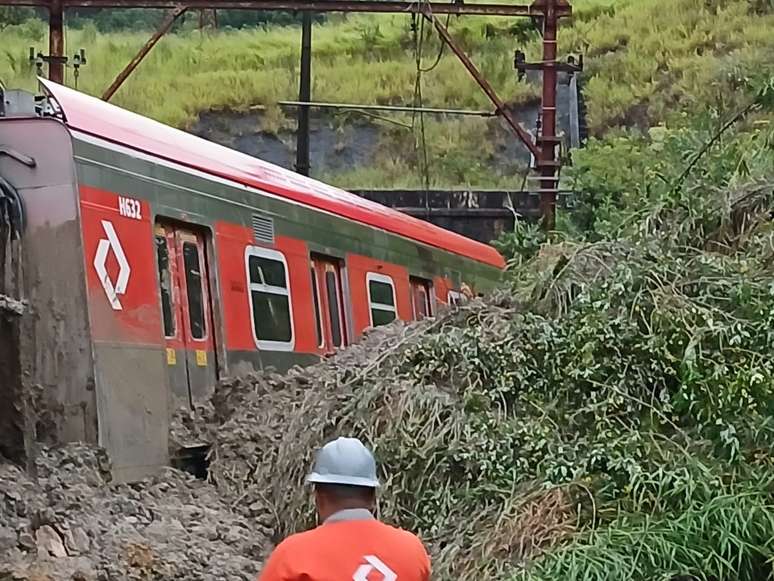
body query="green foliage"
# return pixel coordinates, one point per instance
(622, 177)
(10, 15)
(136, 19)
(728, 535)
(647, 63)
(521, 244)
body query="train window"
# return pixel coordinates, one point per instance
(193, 283)
(381, 299)
(332, 289)
(165, 282)
(421, 304)
(316, 298)
(269, 299)
(327, 278)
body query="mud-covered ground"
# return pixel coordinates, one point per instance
(72, 524)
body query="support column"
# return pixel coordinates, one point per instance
(305, 96)
(165, 26)
(547, 162)
(56, 42)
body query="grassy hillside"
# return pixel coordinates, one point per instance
(648, 61)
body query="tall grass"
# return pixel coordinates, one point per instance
(727, 536)
(648, 61)
(661, 54)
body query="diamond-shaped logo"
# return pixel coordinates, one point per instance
(112, 291)
(374, 564)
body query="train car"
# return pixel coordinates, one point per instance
(156, 262)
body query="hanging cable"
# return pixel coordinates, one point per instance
(11, 208)
(419, 37)
(441, 48)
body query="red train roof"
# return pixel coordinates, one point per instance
(100, 119)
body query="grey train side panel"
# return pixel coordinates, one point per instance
(62, 363)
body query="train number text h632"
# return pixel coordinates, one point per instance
(129, 208)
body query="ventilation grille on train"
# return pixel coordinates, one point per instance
(263, 228)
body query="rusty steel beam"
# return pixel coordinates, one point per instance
(499, 104)
(304, 95)
(547, 163)
(376, 6)
(56, 42)
(129, 68)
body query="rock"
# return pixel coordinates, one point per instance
(49, 542)
(77, 541)
(79, 528)
(26, 541)
(8, 539)
(233, 535)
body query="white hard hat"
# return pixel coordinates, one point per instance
(345, 461)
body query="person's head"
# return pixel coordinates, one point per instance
(331, 498)
(344, 476)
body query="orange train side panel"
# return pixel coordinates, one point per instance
(120, 268)
(358, 268)
(232, 240)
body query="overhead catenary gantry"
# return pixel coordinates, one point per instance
(547, 13)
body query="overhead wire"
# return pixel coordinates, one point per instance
(420, 143)
(441, 48)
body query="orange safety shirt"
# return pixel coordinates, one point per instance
(351, 545)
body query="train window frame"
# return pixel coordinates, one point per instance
(170, 304)
(205, 328)
(277, 256)
(317, 304)
(334, 298)
(428, 290)
(383, 279)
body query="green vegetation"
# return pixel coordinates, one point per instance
(648, 62)
(608, 415)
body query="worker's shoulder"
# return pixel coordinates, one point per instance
(296, 540)
(403, 537)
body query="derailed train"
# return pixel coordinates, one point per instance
(156, 262)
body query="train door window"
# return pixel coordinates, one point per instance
(381, 299)
(165, 282)
(193, 285)
(334, 307)
(329, 293)
(421, 304)
(187, 311)
(267, 275)
(317, 312)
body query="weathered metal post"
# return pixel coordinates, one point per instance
(547, 162)
(56, 42)
(167, 23)
(305, 96)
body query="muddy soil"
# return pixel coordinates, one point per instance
(74, 524)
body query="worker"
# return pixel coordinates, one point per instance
(350, 543)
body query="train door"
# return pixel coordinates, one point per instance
(421, 301)
(330, 321)
(187, 312)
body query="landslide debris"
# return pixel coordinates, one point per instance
(73, 524)
(401, 390)
(610, 415)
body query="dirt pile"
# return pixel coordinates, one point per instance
(73, 524)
